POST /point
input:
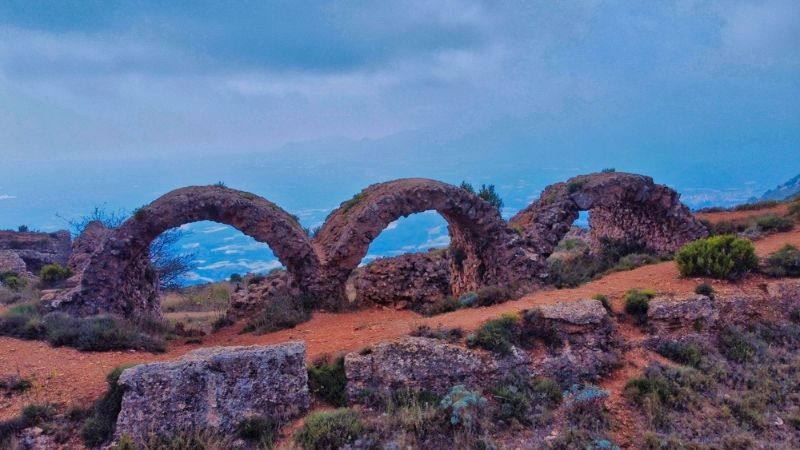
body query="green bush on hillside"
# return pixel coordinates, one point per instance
(327, 380)
(783, 263)
(725, 257)
(53, 274)
(329, 430)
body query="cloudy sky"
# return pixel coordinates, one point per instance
(305, 102)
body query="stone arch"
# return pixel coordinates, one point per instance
(476, 230)
(118, 278)
(624, 207)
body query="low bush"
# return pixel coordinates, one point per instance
(327, 380)
(53, 275)
(451, 335)
(441, 306)
(704, 289)
(279, 313)
(725, 257)
(15, 383)
(603, 299)
(95, 333)
(637, 303)
(329, 430)
(662, 389)
(632, 261)
(756, 205)
(735, 345)
(33, 415)
(687, 353)
(12, 280)
(260, 429)
(773, 223)
(783, 263)
(794, 209)
(464, 407)
(517, 398)
(497, 335)
(198, 439)
(490, 295)
(100, 425)
(585, 408)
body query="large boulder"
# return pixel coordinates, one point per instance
(423, 364)
(215, 388)
(670, 314)
(579, 337)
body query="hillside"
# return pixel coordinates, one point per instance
(784, 191)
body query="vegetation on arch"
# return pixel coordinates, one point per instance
(486, 192)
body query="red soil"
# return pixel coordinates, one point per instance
(68, 377)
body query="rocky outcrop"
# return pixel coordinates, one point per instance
(423, 364)
(11, 262)
(403, 281)
(668, 314)
(215, 388)
(580, 340)
(37, 249)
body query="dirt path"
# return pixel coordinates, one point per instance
(67, 377)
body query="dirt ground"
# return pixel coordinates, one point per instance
(68, 377)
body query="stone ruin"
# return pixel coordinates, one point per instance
(113, 272)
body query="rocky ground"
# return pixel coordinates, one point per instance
(67, 377)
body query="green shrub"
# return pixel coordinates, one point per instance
(464, 407)
(687, 353)
(15, 383)
(22, 321)
(496, 335)
(637, 302)
(97, 333)
(329, 430)
(451, 335)
(261, 429)
(235, 278)
(441, 306)
(774, 223)
(490, 295)
(704, 289)
(735, 345)
(783, 263)
(12, 280)
(632, 261)
(724, 257)
(327, 380)
(279, 313)
(487, 193)
(53, 274)
(756, 205)
(603, 299)
(100, 425)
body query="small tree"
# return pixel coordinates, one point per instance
(487, 193)
(23, 229)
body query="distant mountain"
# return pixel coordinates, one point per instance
(784, 191)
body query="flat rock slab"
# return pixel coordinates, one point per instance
(214, 388)
(579, 312)
(424, 364)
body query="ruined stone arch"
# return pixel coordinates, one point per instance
(622, 207)
(476, 230)
(118, 278)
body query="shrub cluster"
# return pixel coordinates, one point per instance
(53, 275)
(637, 303)
(329, 430)
(783, 263)
(725, 257)
(95, 333)
(32, 415)
(100, 425)
(497, 335)
(12, 280)
(280, 313)
(327, 380)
